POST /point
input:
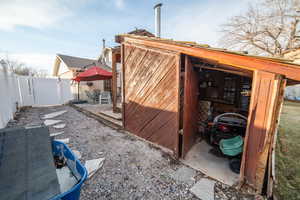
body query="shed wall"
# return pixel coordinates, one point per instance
(261, 126)
(151, 94)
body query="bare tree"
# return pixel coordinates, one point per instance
(268, 28)
(41, 73)
(21, 69)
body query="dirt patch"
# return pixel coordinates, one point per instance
(133, 169)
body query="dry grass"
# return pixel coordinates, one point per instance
(288, 153)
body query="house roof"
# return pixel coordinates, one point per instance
(77, 63)
(291, 50)
(293, 54)
(142, 32)
(217, 55)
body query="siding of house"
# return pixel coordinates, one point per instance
(67, 75)
(99, 85)
(108, 61)
(96, 85)
(62, 68)
(293, 92)
(293, 55)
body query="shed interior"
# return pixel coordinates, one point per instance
(214, 104)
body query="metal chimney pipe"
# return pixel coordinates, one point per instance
(157, 10)
(103, 43)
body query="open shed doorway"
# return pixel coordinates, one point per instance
(213, 117)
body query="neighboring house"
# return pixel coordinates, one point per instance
(293, 55)
(293, 92)
(69, 66)
(106, 57)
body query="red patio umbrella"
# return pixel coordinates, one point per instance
(92, 74)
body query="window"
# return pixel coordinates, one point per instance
(107, 85)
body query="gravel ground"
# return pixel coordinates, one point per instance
(133, 169)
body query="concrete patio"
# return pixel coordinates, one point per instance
(103, 111)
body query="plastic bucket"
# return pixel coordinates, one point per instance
(60, 148)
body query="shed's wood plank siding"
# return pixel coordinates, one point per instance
(151, 95)
(265, 89)
(190, 113)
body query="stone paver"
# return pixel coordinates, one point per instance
(183, 174)
(204, 189)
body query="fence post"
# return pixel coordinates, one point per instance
(59, 90)
(20, 92)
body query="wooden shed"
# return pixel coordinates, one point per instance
(170, 88)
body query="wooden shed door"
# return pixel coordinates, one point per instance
(190, 108)
(261, 126)
(151, 94)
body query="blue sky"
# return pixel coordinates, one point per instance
(33, 31)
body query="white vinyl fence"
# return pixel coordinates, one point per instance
(17, 91)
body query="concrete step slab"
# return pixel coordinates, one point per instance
(204, 189)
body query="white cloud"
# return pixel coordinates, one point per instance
(119, 4)
(37, 61)
(31, 13)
